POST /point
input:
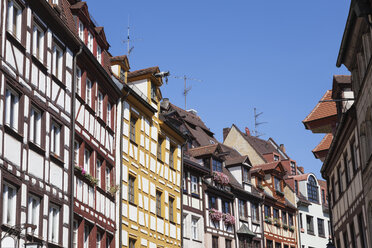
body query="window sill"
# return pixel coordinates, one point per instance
(132, 203)
(195, 195)
(159, 216)
(56, 159)
(197, 240)
(15, 41)
(133, 142)
(39, 63)
(311, 233)
(172, 222)
(256, 222)
(58, 81)
(36, 148)
(89, 109)
(172, 168)
(13, 133)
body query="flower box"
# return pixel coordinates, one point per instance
(276, 223)
(292, 228)
(220, 178)
(215, 215)
(285, 226)
(268, 220)
(89, 177)
(113, 189)
(228, 219)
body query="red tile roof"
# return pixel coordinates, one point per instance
(325, 143)
(322, 109)
(145, 71)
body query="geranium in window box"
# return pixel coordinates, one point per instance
(215, 215)
(268, 220)
(91, 179)
(292, 228)
(228, 219)
(285, 226)
(276, 222)
(220, 178)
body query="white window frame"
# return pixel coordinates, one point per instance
(109, 107)
(76, 152)
(53, 230)
(14, 25)
(38, 42)
(87, 155)
(100, 105)
(98, 240)
(86, 236)
(33, 212)
(88, 92)
(9, 202)
(107, 178)
(81, 30)
(11, 108)
(35, 125)
(78, 80)
(99, 54)
(57, 61)
(90, 41)
(98, 172)
(75, 235)
(194, 184)
(55, 138)
(194, 228)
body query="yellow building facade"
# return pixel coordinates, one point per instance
(150, 176)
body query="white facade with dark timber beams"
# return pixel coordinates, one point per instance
(36, 71)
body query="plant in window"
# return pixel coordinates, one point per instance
(291, 228)
(228, 219)
(113, 189)
(285, 226)
(220, 178)
(215, 215)
(268, 220)
(276, 222)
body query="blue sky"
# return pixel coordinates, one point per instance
(277, 56)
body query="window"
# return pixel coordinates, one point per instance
(86, 160)
(38, 43)
(362, 233)
(132, 243)
(277, 184)
(153, 92)
(255, 213)
(346, 239)
(76, 153)
(107, 178)
(346, 168)
(78, 80)
(194, 227)
(333, 189)
(353, 156)
(132, 134)
(290, 219)
(131, 194)
(98, 172)
(352, 235)
(75, 234)
(109, 114)
(81, 30)
(53, 223)
(99, 54)
(33, 211)
(225, 207)
(171, 157)
(90, 42)
(321, 231)
(55, 142)
(284, 218)
(160, 143)
(108, 241)
(57, 61)
(293, 168)
(194, 185)
(276, 213)
(245, 175)
(35, 126)
(171, 213)
(309, 224)
(276, 158)
(296, 186)
(301, 223)
(122, 74)
(158, 203)
(184, 182)
(242, 209)
(267, 211)
(214, 242)
(11, 109)
(86, 236)
(213, 202)
(216, 165)
(184, 224)
(323, 197)
(14, 19)
(278, 245)
(312, 190)
(100, 105)
(339, 181)
(9, 204)
(228, 243)
(88, 92)
(98, 240)
(269, 243)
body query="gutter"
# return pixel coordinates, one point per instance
(72, 153)
(345, 37)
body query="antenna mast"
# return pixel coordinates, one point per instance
(256, 123)
(187, 89)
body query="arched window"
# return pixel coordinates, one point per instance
(312, 190)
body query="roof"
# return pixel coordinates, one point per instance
(340, 82)
(322, 109)
(301, 177)
(190, 118)
(342, 79)
(233, 157)
(324, 144)
(244, 230)
(145, 71)
(202, 150)
(267, 166)
(322, 183)
(119, 58)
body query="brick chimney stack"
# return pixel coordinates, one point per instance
(247, 132)
(301, 169)
(282, 148)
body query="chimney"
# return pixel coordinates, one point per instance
(192, 111)
(247, 132)
(165, 103)
(282, 148)
(301, 169)
(225, 132)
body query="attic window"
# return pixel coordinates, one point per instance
(122, 74)
(216, 165)
(212, 142)
(276, 158)
(153, 92)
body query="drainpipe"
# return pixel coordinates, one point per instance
(330, 215)
(182, 192)
(72, 154)
(121, 164)
(262, 221)
(298, 227)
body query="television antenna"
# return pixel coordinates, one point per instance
(256, 124)
(129, 40)
(187, 89)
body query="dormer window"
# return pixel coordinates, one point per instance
(245, 175)
(216, 165)
(276, 158)
(81, 30)
(99, 54)
(122, 74)
(90, 42)
(153, 92)
(277, 184)
(293, 168)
